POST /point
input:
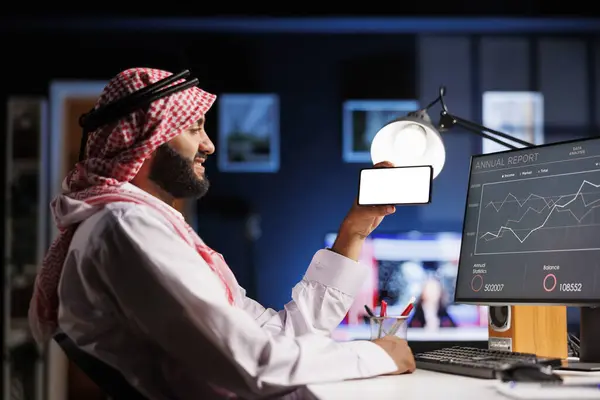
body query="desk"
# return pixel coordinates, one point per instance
(420, 384)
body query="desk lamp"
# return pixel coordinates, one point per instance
(414, 140)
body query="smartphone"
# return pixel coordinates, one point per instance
(395, 186)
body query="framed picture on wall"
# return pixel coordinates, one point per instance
(519, 114)
(362, 119)
(248, 133)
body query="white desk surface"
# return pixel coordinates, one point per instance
(421, 385)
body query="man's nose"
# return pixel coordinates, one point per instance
(206, 146)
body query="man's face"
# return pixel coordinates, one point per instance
(177, 165)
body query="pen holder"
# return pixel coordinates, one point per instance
(388, 326)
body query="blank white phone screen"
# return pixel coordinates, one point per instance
(404, 185)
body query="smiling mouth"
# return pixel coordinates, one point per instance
(198, 165)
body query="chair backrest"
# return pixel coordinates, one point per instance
(108, 379)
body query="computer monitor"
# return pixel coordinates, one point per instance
(417, 264)
(532, 231)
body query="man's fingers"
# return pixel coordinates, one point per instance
(384, 164)
(378, 211)
(374, 211)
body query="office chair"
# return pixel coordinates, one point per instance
(108, 379)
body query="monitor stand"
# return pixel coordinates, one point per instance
(589, 336)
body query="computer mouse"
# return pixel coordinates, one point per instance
(528, 372)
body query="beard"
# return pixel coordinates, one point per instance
(175, 174)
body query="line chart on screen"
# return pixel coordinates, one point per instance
(551, 213)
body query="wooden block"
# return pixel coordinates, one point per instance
(541, 330)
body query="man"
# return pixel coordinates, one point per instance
(132, 284)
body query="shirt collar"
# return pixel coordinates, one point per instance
(131, 187)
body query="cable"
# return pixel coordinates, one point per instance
(574, 345)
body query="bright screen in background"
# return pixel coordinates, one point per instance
(400, 185)
(420, 265)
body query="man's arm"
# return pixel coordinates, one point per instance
(164, 287)
(319, 301)
(324, 296)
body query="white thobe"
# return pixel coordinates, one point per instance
(136, 296)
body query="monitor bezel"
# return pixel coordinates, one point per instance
(505, 301)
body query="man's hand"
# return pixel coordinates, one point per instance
(359, 223)
(399, 351)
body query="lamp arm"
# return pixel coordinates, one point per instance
(478, 132)
(447, 121)
(482, 128)
(439, 99)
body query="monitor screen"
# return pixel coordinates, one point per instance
(532, 226)
(423, 265)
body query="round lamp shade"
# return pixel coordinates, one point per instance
(409, 141)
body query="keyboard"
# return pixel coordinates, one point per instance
(476, 363)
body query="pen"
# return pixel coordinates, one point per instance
(409, 307)
(383, 312)
(371, 314)
(405, 313)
